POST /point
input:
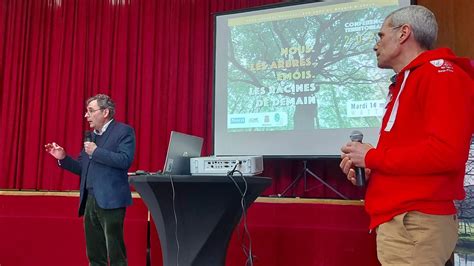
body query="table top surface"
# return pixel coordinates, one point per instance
(196, 179)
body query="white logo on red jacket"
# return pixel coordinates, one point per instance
(444, 66)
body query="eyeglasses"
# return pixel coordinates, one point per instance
(91, 111)
(378, 37)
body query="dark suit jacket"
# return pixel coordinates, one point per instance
(107, 167)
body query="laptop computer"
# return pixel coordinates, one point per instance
(181, 148)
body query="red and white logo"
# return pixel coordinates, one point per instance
(444, 66)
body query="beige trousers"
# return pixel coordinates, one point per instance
(415, 238)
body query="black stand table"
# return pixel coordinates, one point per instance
(207, 210)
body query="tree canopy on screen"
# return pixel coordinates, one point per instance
(306, 65)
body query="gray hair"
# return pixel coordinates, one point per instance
(104, 102)
(422, 21)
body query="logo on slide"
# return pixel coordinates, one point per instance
(257, 120)
(276, 117)
(237, 120)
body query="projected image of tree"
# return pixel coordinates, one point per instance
(313, 72)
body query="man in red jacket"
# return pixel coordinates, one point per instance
(417, 169)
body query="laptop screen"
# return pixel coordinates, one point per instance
(181, 148)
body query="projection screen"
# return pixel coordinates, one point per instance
(296, 80)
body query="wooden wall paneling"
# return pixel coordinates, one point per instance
(456, 24)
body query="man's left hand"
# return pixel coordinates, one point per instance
(356, 152)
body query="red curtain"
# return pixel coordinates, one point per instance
(153, 57)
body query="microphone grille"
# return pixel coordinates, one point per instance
(87, 135)
(356, 135)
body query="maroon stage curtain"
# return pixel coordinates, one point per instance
(155, 59)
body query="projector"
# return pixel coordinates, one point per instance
(220, 166)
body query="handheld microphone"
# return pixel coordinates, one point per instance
(87, 136)
(357, 136)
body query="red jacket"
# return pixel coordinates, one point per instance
(419, 162)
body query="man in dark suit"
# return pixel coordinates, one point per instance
(104, 192)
